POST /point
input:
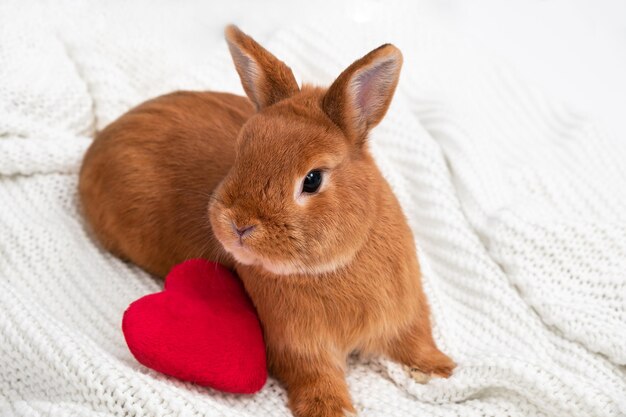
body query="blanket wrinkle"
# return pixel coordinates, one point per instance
(80, 73)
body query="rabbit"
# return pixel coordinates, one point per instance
(280, 187)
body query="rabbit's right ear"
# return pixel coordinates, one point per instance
(265, 79)
(358, 99)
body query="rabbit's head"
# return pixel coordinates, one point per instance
(304, 191)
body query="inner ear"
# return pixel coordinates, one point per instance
(359, 98)
(370, 90)
(265, 79)
(248, 73)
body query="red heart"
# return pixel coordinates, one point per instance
(201, 328)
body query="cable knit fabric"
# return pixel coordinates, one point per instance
(517, 206)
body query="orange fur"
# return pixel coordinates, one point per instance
(330, 273)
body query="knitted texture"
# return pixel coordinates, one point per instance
(517, 206)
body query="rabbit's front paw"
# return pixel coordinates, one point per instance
(323, 407)
(417, 375)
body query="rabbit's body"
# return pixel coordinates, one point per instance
(146, 181)
(366, 305)
(296, 205)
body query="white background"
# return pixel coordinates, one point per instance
(574, 50)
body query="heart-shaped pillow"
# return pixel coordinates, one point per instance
(201, 328)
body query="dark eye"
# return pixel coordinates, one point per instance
(312, 181)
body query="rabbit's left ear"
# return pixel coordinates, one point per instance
(265, 79)
(358, 99)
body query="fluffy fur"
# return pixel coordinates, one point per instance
(330, 273)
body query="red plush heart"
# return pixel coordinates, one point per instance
(201, 328)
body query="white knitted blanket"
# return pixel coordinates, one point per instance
(518, 207)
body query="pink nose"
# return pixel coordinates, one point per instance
(242, 231)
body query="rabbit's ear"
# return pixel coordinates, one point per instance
(360, 96)
(265, 79)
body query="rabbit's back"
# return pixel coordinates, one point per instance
(146, 181)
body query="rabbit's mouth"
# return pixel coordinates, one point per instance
(248, 251)
(242, 253)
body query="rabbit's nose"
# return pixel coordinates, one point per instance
(242, 231)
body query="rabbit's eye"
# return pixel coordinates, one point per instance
(312, 181)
